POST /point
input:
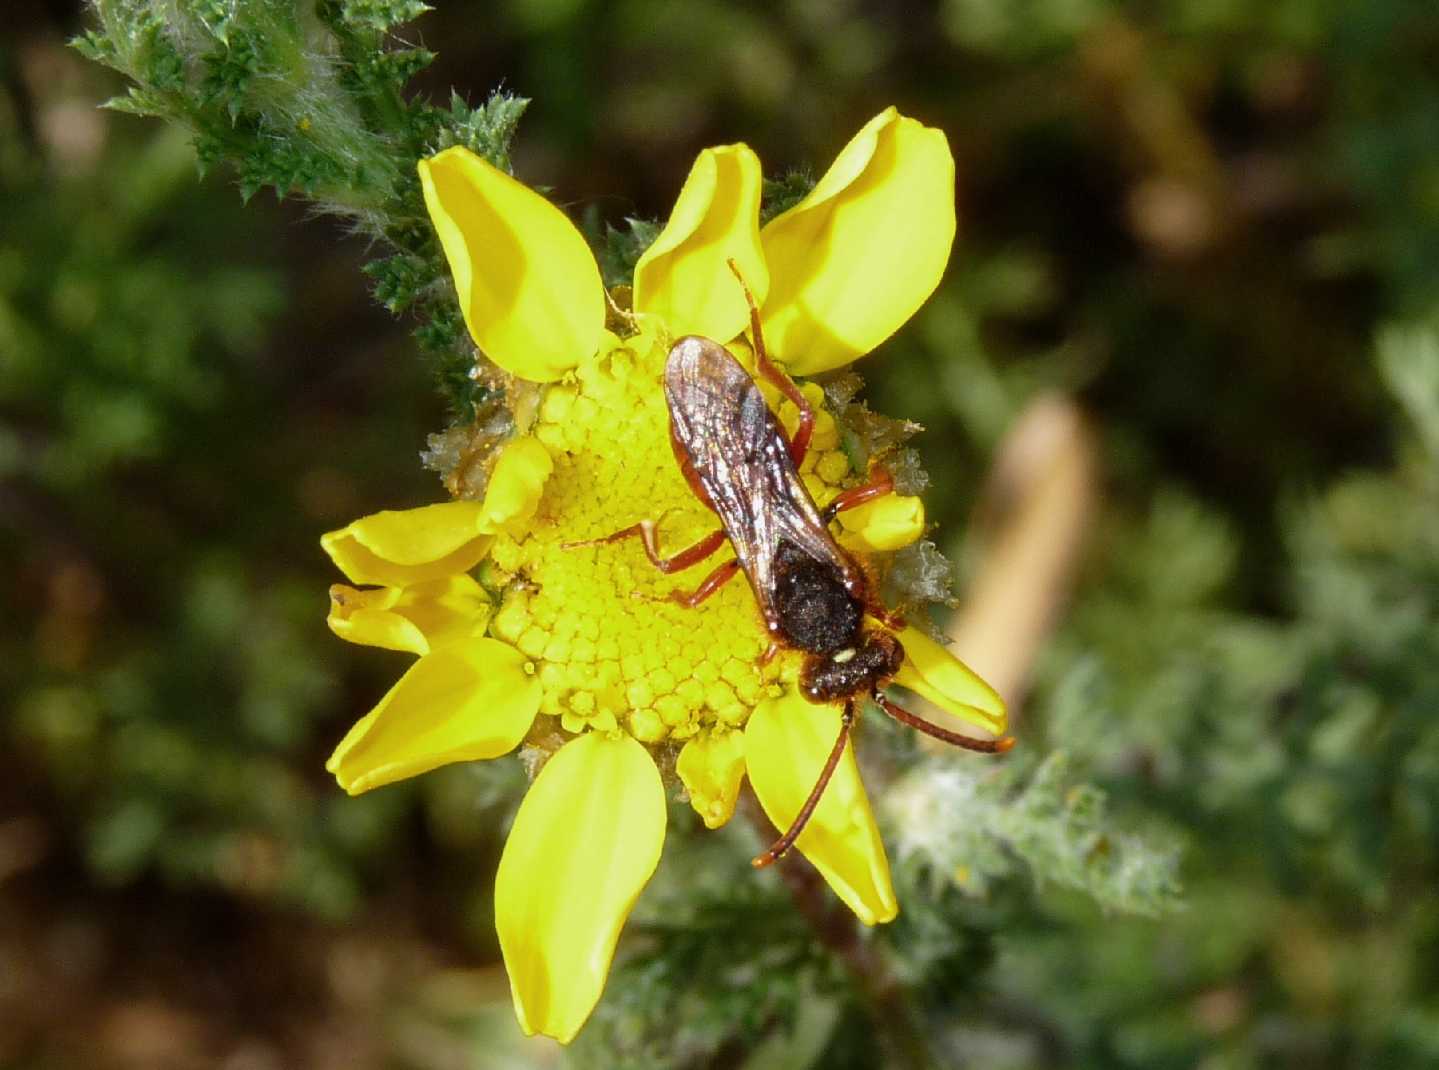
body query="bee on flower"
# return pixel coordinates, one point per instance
(571, 625)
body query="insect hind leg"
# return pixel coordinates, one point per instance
(785, 842)
(799, 444)
(645, 531)
(880, 484)
(712, 583)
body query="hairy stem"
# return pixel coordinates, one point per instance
(900, 1031)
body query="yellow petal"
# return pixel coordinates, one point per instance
(786, 743)
(397, 548)
(931, 671)
(683, 278)
(884, 524)
(855, 259)
(711, 766)
(517, 482)
(528, 285)
(585, 841)
(415, 618)
(468, 701)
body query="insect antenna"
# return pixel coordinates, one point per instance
(903, 716)
(785, 842)
(799, 444)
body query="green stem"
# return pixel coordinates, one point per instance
(895, 1018)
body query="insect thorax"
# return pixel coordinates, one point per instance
(816, 612)
(855, 671)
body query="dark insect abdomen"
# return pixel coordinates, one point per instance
(816, 612)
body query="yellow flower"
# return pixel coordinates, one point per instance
(584, 637)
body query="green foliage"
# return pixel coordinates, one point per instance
(1409, 362)
(1298, 756)
(1056, 829)
(619, 249)
(723, 967)
(308, 100)
(783, 193)
(169, 686)
(1189, 216)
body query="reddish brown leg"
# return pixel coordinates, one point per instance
(893, 621)
(712, 583)
(799, 445)
(645, 532)
(768, 655)
(785, 842)
(880, 484)
(687, 469)
(903, 716)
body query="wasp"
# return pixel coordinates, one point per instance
(813, 596)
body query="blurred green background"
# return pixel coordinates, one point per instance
(1181, 398)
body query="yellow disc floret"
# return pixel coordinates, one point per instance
(612, 653)
(513, 604)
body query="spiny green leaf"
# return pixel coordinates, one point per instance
(391, 71)
(1059, 829)
(783, 193)
(485, 130)
(620, 249)
(136, 102)
(380, 15)
(95, 46)
(399, 280)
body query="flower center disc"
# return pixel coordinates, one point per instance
(611, 653)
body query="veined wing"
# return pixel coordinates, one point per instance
(741, 459)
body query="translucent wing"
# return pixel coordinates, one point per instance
(741, 459)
